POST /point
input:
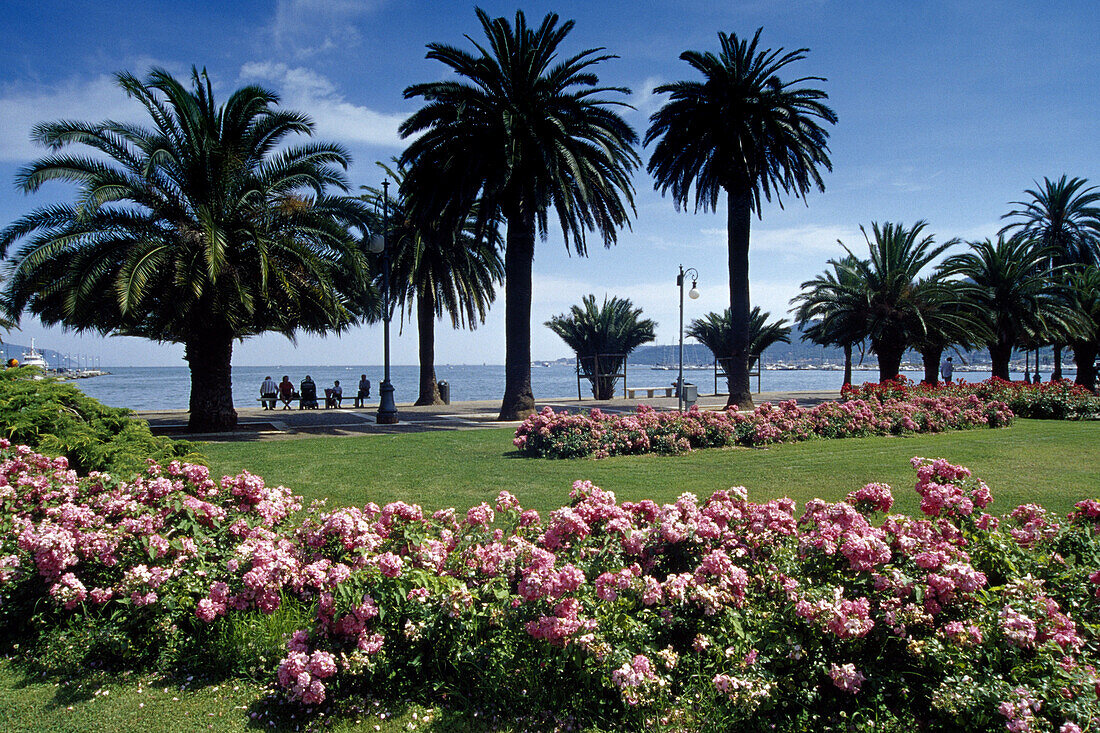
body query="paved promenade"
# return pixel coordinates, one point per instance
(256, 423)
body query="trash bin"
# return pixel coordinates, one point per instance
(445, 392)
(691, 394)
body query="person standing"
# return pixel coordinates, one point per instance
(269, 391)
(364, 391)
(947, 370)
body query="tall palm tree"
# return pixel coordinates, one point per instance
(602, 337)
(439, 270)
(745, 132)
(1063, 216)
(1012, 296)
(1084, 286)
(716, 331)
(887, 290)
(830, 310)
(200, 230)
(526, 134)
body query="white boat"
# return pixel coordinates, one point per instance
(33, 358)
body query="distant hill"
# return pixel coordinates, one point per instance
(797, 352)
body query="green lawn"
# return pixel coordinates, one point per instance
(1051, 462)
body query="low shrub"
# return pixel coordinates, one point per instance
(58, 419)
(712, 614)
(550, 434)
(1061, 400)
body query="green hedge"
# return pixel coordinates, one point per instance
(58, 419)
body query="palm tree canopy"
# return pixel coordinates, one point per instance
(887, 289)
(616, 327)
(1084, 297)
(1063, 215)
(715, 331)
(523, 131)
(203, 222)
(1013, 295)
(459, 270)
(742, 129)
(830, 307)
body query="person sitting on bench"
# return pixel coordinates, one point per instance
(286, 392)
(364, 391)
(334, 395)
(309, 394)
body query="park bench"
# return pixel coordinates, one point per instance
(649, 391)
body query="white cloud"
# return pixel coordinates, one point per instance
(644, 100)
(92, 100)
(309, 27)
(797, 243)
(336, 118)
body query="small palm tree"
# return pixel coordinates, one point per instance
(602, 337)
(202, 230)
(439, 269)
(1084, 297)
(716, 332)
(1064, 217)
(1012, 295)
(743, 131)
(888, 292)
(525, 133)
(830, 310)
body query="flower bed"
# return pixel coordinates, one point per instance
(718, 613)
(550, 434)
(1062, 400)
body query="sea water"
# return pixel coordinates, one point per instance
(168, 388)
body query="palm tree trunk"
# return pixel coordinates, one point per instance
(999, 354)
(847, 363)
(1057, 373)
(738, 219)
(889, 359)
(209, 357)
(931, 358)
(519, 255)
(1084, 355)
(425, 333)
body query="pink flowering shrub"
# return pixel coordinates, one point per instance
(702, 613)
(550, 434)
(1062, 400)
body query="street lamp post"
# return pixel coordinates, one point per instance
(693, 294)
(387, 408)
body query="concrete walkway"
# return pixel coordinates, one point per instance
(255, 423)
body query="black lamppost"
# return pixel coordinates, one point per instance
(693, 294)
(387, 408)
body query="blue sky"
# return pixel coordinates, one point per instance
(948, 111)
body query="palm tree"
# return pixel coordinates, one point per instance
(830, 310)
(886, 290)
(949, 321)
(716, 331)
(1012, 295)
(1063, 216)
(602, 337)
(744, 131)
(524, 133)
(199, 231)
(440, 270)
(1084, 285)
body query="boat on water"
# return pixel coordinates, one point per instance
(33, 358)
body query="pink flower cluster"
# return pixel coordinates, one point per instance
(553, 434)
(753, 597)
